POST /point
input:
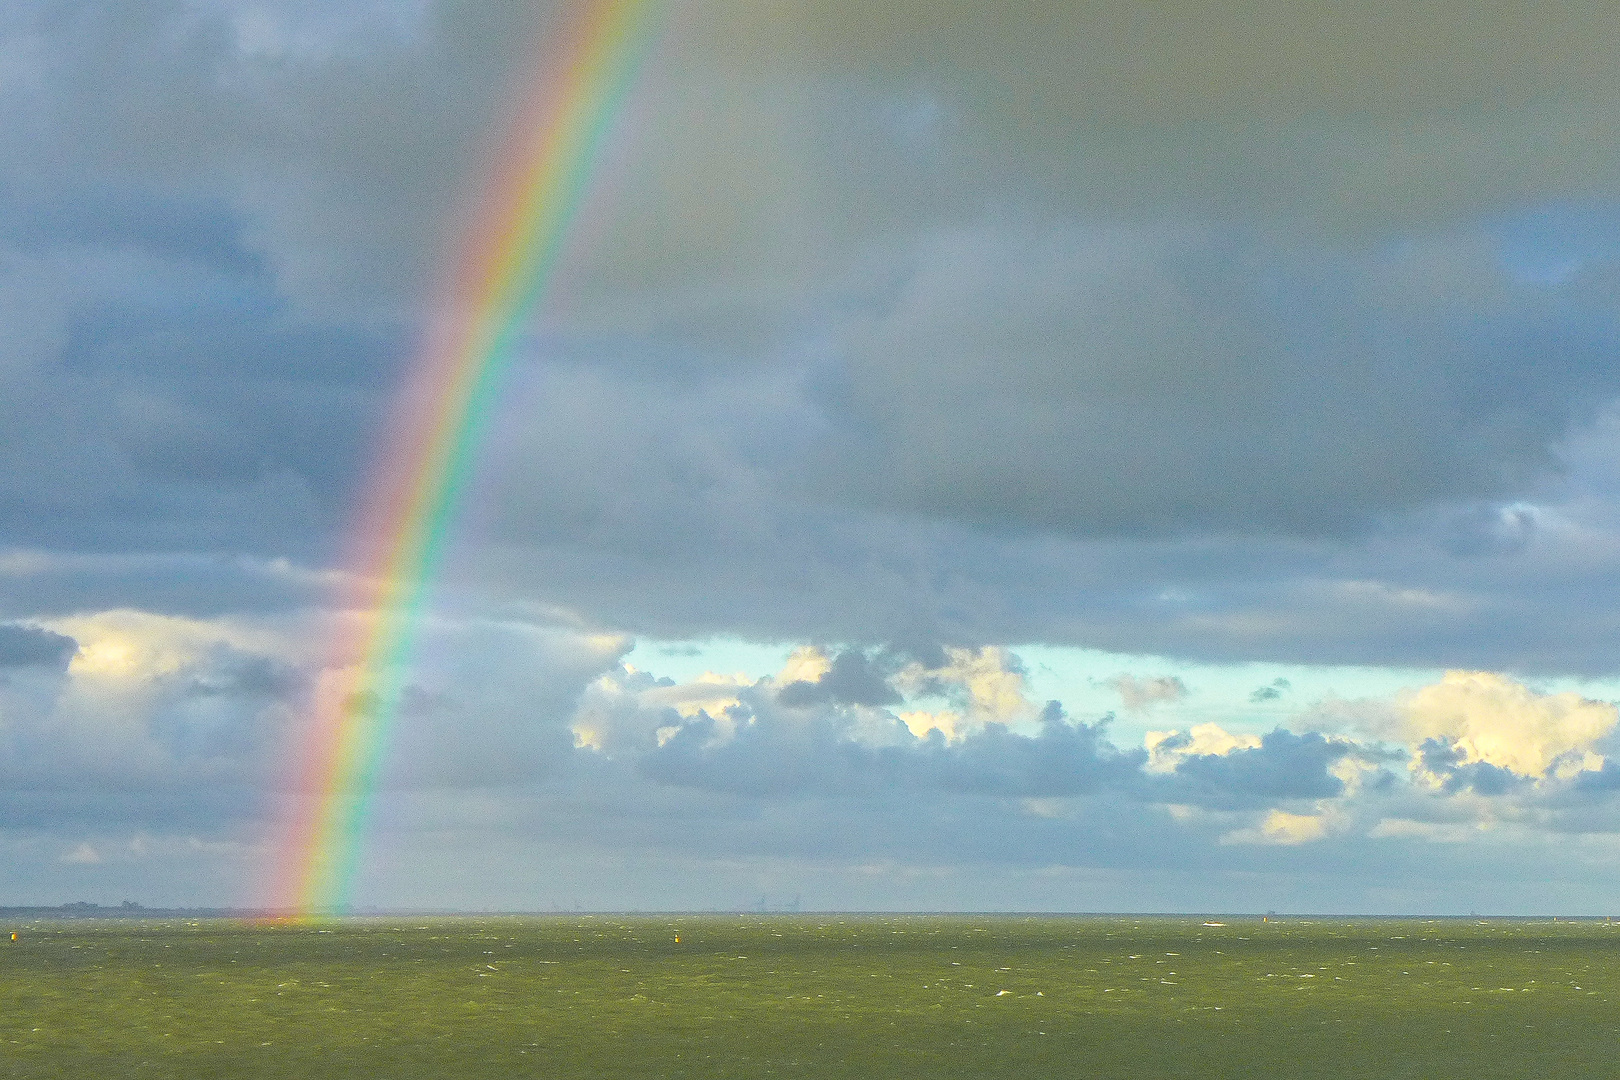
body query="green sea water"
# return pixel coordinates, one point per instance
(811, 996)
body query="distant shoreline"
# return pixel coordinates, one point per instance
(80, 910)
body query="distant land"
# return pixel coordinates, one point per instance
(81, 909)
(129, 909)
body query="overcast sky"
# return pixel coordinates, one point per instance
(1057, 456)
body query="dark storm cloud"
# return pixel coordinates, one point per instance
(176, 175)
(1149, 383)
(213, 324)
(180, 409)
(1129, 380)
(341, 133)
(201, 585)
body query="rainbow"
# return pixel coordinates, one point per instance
(539, 178)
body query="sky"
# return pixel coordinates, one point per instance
(1058, 456)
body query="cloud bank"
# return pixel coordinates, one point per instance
(910, 337)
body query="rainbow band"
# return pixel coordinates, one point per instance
(427, 456)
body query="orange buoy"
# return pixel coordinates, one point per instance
(14, 935)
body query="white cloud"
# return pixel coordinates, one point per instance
(1168, 749)
(1491, 718)
(984, 686)
(628, 711)
(807, 663)
(135, 645)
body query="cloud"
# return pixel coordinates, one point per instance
(84, 854)
(1144, 382)
(929, 413)
(1215, 769)
(1480, 717)
(745, 740)
(27, 646)
(192, 727)
(968, 691)
(1003, 369)
(1271, 692)
(1445, 764)
(770, 739)
(1281, 827)
(1259, 335)
(155, 720)
(514, 731)
(1168, 749)
(1140, 694)
(851, 679)
(1227, 95)
(763, 755)
(980, 686)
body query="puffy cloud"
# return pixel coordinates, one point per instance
(191, 726)
(849, 678)
(770, 738)
(627, 711)
(766, 754)
(1478, 717)
(489, 704)
(1444, 764)
(512, 730)
(746, 739)
(155, 723)
(1168, 749)
(1235, 771)
(982, 686)
(806, 664)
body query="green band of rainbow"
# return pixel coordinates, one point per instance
(425, 459)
